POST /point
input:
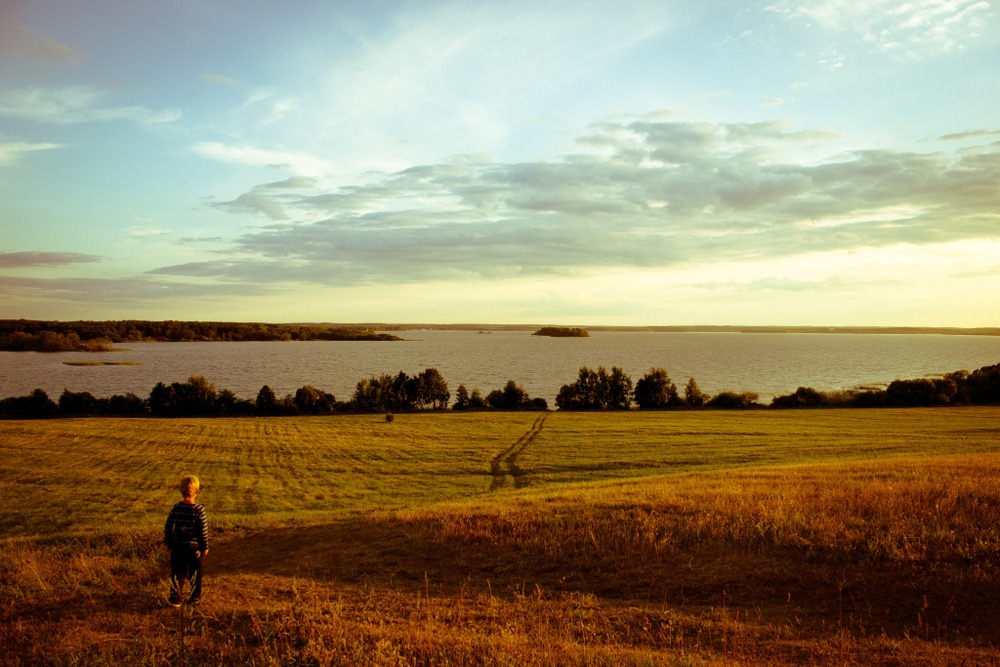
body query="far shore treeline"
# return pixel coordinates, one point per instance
(598, 389)
(96, 336)
(51, 336)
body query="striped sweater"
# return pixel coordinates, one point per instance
(186, 525)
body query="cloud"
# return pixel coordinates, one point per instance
(31, 44)
(254, 202)
(120, 293)
(80, 104)
(972, 134)
(837, 283)
(218, 79)
(269, 106)
(916, 30)
(262, 200)
(434, 78)
(248, 271)
(643, 193)
(146, 231)
(301, 164)
(11, 153)
(16, 260)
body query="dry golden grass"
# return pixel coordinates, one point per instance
(828, 537)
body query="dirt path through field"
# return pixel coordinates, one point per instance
(508, 458)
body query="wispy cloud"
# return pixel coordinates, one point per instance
(126, 292)
(17, 260)
(971, 134)
(254, 202)
(441, 79)
(137, 232)
(299, 163)
(218, 79)
(269, 106)
(265, 198)
(11, 153)
(914, 30)
(79, 104)
(32, 44)
(646, 193)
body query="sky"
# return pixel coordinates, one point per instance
(834, 162)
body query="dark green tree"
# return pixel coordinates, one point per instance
(983, 384)
(511, 397)
(267, 402)
(36, 405)
(312, 401)
(911, 393)
(597, 390)
(476, 399)
(694, 397)
(77, 403)
(386, 393)
(461, 398)
(124, 405)
(194, 398)
(432, 390)
(617, 386)
(655, 390)
(161, 400)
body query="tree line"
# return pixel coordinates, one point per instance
(598, 389)
(614, 390)
(52, 336)
(197, 397)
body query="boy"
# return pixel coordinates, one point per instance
(186, 535)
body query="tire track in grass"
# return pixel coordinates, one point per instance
(508, 458)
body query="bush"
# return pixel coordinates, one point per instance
(803, 397)
(312, 401)
(514, 397)
(910, 393)
(729, 400)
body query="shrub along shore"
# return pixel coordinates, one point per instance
(598, 389)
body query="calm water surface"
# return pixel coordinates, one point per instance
(770, 364)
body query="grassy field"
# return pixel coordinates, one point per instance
(678, 538)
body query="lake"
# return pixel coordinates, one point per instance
(770, 364)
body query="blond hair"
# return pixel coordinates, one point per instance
(190, 486)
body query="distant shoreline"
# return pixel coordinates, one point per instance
(695, 328)
(118, 331)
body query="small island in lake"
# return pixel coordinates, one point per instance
(562, 332)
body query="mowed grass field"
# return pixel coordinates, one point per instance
(671, 538)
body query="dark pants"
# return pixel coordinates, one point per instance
(185, 565)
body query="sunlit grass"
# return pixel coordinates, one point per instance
(823, 537)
